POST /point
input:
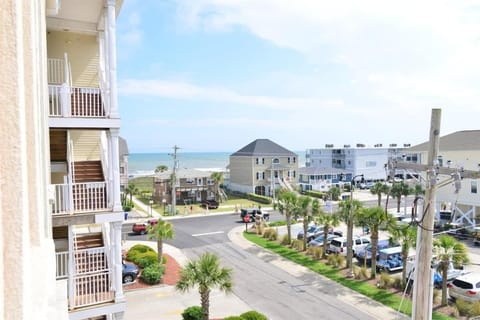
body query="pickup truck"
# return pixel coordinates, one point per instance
(452, 273)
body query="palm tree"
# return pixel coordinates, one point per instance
(328, 221)
(407, 237)
(217, 177)
(161, 168)
(348, 210)
(160, 231)
(334, 193)
(398, 190)
(446, 250)
(379, 189)
(308, 209)
(206, 273)
(286, 202)
(131, 190)
(373, 217)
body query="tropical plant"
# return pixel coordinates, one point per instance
(307, 208)
(379, 189)
(328, 221)
(160, 231)
(192, 313)
(217, 177)
(348, 210)
(161, 168)
(153, 273)
(206, 273)
(407, 237)
(372, 217)
(398, 190)
(334, 193)
(131, 190)
(285, 204)
(448, 249)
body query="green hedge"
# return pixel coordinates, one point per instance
(259, 198)
(316, 194)
(193, 313)
(137, 252)
(147, 258)
(153, 273)
(253, 315)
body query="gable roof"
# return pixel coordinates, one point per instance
(263, 147)
(457, 141)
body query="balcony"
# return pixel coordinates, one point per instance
(90, 280)
(80, 198)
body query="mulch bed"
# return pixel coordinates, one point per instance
(170, 278)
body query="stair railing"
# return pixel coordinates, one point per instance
(71, 173)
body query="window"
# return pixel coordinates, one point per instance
(122, 170)
(263, 175)
(256, 160)
(371, 164)
(294, 159)
(288, 159)
(263, 160)
(473, 187)
(258, 175)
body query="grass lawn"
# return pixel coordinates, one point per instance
(389, 299)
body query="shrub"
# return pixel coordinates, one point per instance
(475, 309)
(318, 252)
(270, 234)
(136, 250)
(385, 280)
(153, 273)
(398, 283)
(147, 258)
(285, 239)
(253, 315)
(233, 318)
(193, 313)
(259, 198)
(297, 244)
(463, 307)
(361, 273)
(315, 194)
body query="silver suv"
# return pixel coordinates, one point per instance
(339, 245)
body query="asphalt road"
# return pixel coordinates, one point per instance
(258, 281)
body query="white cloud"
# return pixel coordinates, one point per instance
(397, 51)
(186, 91)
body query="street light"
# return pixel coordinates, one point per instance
(350, 230)
(151, 204)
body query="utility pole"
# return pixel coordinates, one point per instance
(422, 284)
(174, 179)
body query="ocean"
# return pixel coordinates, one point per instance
(140, 164)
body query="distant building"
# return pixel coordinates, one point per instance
(123, 155)
(261, 167)
(331, 161)
(193, 186)
(460, 150)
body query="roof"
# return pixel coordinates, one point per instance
(457, 141)
(263, 147)
(122, 146)
(184, 173)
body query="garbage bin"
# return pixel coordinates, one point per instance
(126, 215)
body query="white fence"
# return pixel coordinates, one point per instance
(80, 197)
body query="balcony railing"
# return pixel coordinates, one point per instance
(80, 102)
(90, 282)
(79, 197)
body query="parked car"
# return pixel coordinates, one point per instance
(364, 255)
(129, 272)
(390, 259)
(313, 231)
(465, 287)
(452, 272)
(339, 245)
(318, 241)
(142, 227)
(210, 204)
(253, 213)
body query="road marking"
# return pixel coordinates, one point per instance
(206, 234)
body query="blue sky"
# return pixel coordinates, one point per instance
(214, 75)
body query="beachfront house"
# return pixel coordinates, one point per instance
(61, 210)
(459, 150)
(192, 187)
(261, 167)
(123, 157)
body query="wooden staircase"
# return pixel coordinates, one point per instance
(88, 171)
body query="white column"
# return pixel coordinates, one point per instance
(116, 250)
(112, 57)
(114, 166)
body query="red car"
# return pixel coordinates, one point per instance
(142, 227)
